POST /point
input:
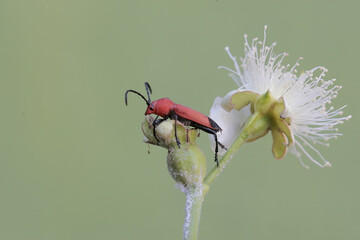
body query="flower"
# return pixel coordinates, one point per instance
(303, 100)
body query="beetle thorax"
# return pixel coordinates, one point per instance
(160, 107)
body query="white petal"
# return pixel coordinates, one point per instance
(231, 123)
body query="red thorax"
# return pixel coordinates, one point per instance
(160, 107)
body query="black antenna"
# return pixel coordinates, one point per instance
(148, 88)
(147, 102)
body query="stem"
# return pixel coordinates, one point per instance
(194, 199)
(195, 193)
(215, 172)
(226, 159)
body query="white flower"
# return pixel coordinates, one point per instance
(305, 97)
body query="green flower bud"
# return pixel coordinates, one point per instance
(187, 164)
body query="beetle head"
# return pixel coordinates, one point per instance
(160, 107)
(151, 109)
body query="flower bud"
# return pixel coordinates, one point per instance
(187, 164)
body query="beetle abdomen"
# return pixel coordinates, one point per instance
(196, 118)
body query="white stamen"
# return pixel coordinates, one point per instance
(306, 95)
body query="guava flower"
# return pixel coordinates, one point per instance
(294, 105)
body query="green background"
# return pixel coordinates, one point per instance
(72, 161)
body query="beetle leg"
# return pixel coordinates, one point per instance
(177, 139)
(217, 143)
(212, 132)
(216, 148)
(155, 123)
(222, 145)
(154, 126)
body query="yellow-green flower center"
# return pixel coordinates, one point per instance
(266, 116)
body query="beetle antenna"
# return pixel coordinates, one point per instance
(147, 102)
(148, 89)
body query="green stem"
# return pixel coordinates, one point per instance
(226, 159)
(194, 199)
(195, 193)
(215, 172)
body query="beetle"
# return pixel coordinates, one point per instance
(167, 109)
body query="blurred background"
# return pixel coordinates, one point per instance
(72, 161)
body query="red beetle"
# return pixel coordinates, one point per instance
(166, 108)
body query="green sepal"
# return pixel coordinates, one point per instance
(278, 122)
(264, 103)
(259, 127)
(287, 120)
(283, 127)
(279, 144)
(278, 107)
(256, 137)
(242, 99)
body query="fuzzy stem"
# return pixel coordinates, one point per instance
(194, 199)
(195, 193)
